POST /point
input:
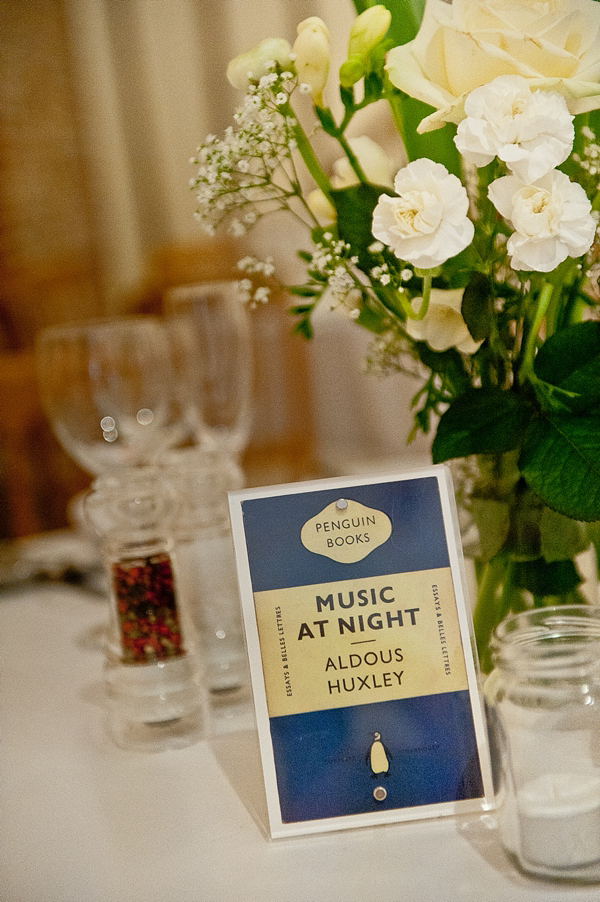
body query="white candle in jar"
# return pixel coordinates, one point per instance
(559, 820)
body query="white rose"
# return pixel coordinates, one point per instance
(531, 131)
(467, 43)
(254, 63)
(313, 57)
(427, 222)
(443, 325)
(375, 164)
(551, 218)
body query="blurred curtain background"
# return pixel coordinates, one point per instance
(102, 104)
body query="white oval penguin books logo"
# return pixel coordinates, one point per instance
(346, 531)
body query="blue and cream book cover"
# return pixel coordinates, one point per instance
(360, 645)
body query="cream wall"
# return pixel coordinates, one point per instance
(150, 79)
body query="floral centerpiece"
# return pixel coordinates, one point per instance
(475, 266)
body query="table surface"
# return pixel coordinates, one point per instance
(82, 820)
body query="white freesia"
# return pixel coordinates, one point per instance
(551, 218)
(427, 222)
(368, 29)
(255, 63)
(373, 161)
(312, 56)
(467, 43)
(443, 325)
(531, 131)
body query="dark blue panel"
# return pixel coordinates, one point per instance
(278, 560)
(322, 757)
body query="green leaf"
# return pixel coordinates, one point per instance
(347, 97)
(482, 421)
(478, 305)
(370, 320)
(546, 580)
(326, 119)
(562, 537)
(304, 291)
(554, 399)
(570, 361)
(355, 207)
(448, 362)
(373, 87)
(593, 534)
(304, 328)
(406, 16)
(437, 145)
(560, 460)
(492, 519)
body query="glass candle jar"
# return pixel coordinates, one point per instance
(153, 672)
(543, 703)
(200, 480)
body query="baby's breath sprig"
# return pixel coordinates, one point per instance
(333, 260)
(251, 293)
(251, 171)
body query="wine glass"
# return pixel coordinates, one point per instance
(107, 387)
(210, 333)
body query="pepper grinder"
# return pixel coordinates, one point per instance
(155, 697)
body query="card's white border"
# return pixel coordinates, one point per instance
(450, 517)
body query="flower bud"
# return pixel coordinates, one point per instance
(375, 164)
(324, 211)
(352, 70)
(253, 64)
(443, 326)
(313, 56)
(368, 30)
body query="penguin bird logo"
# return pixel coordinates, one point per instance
(378, 756)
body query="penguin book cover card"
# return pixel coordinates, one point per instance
(360, 643)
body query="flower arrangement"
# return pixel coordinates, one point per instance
(476, 265)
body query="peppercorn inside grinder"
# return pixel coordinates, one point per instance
(155, 695)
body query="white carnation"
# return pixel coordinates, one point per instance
(552, 219)
(531, 131)
(427, 221)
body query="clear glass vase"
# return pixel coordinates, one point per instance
(200, 480)
(542, 701)
(523, 554)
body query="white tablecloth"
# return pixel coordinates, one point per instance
(83, 821)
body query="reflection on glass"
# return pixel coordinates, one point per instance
(210, 331)
(108, 390)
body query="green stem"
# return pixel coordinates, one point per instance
(352, 158)
(486, 614)
(395, 102)
(422, 311)
(310, 159)
(542, 307)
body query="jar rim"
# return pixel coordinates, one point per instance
(562, 640)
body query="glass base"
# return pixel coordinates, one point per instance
(158, 705)
(227, 675)
(158, 735)
(575, 875)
